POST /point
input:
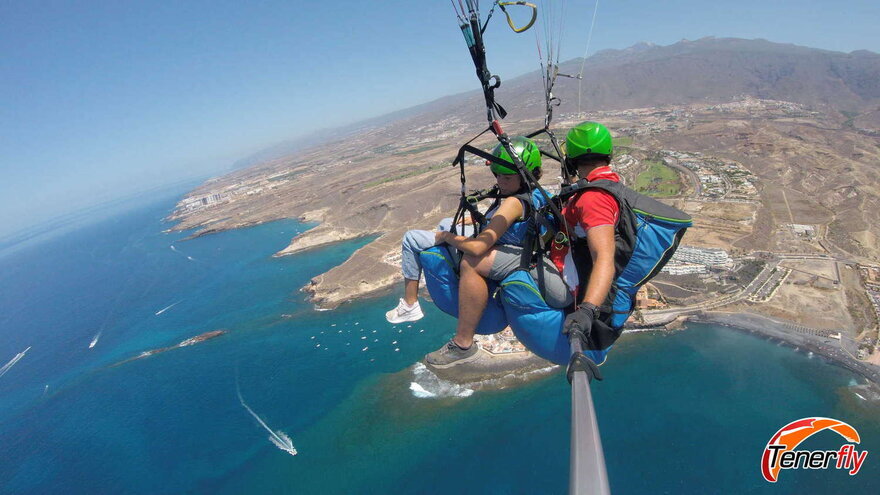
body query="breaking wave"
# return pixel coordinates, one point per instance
(645, 330)
(427, 385)
(512, 379)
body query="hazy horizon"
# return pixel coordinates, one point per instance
(113, 100)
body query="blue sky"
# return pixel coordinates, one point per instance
(102, 99)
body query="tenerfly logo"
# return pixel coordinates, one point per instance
(780, 451)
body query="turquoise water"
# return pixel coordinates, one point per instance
(683, 413)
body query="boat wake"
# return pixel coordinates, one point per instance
(166, 308)
(6, 367)
(283, 442)
(95, 340)
(279, 438)
(178, 252)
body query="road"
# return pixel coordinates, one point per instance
(660, 315)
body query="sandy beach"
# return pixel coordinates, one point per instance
(829, 348)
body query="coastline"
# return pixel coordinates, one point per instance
(500, 371)
(329, 290)
(826, 347)
(493, 370)
(184, 343)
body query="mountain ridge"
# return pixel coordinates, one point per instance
(629, 77)
(804, 126)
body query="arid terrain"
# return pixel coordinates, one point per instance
(787, 187)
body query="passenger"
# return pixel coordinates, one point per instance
(506, 226)
(505, 233)
(414, 242)
(592, 216)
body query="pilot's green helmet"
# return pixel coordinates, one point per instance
(590, 138)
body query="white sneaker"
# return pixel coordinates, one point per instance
(404, 312)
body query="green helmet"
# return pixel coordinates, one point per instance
(524, 147)
(588, 138)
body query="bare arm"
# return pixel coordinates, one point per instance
(508, 213)
(601, 242)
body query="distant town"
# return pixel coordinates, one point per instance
(755, 246)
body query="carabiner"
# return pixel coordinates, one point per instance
(510, 21)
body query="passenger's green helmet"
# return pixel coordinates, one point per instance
(588, 138)
(524, 147)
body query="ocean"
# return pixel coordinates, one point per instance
(687, 412)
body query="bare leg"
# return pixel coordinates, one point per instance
(411, 291)
(473, 295)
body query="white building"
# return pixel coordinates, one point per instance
(803, 230)
(702, 256)
(673, 268)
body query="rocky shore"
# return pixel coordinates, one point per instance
(496, 370)
(188, 342)
(492, 371)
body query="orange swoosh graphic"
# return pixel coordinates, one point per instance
(792, 434)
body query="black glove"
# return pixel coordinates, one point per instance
(581, 322)
(580, 362)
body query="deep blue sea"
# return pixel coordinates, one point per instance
(689, 412)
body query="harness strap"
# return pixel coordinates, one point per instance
(459, 160)
(473, 35)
